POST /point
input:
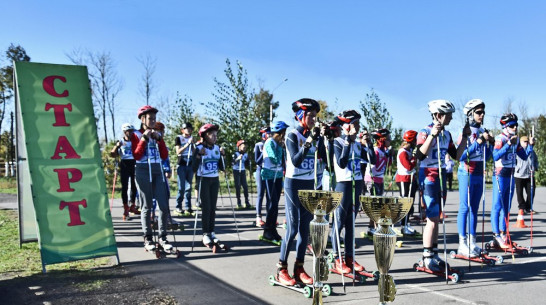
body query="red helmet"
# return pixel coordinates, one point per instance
(145, 109)
(240, 142)
(380, 133)
(409, 136)
(206, 128)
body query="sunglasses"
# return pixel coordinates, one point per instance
(479, 112)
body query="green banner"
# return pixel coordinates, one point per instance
(64, 160)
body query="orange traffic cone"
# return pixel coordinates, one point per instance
(519, 222)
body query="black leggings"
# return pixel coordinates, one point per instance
(127, 171)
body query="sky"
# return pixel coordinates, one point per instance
(409, 52)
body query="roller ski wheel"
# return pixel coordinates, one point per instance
(273, 242)
(453, 274)
(326, 290)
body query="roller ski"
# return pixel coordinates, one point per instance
(214, 244)
(282, 278)
(360, 275)
(161, 249)
(436, 266)
(500, 243)
(271, 237)
(482, 258)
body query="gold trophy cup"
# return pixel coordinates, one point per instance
(319, 203)
(385, 211)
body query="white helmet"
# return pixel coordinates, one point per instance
(441, 106)
(126, 127)
(472, 104)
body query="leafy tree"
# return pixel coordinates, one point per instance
(234, 109)
(13, 53)
(325, 113)
(263, 101)
(375, 115)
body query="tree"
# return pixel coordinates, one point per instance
(263, 101)
(105, 82)
(375, 115)
(325, 114)
(13, 53)
(146, 81)
(233, 109)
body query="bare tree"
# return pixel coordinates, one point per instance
(147, 85)
(105, 82)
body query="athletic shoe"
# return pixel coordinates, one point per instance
(300, 275)
(188, 213)
(259, 222)
(284, 278)
(501, 241)
(352, 263)
(408, 230)
(206, 239)
(440, 261)
(165, 244)
(214, 238)
(133, 209)
(463, 248)
(432, 264)
(248, 206)
(342, 267)
(178, 211)
(268, 234)
(277, 236)
(474, 247)
(149, 245)
(125, 212)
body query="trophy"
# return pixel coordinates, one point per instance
(385, 211)
(319, 203)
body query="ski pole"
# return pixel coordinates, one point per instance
(230, 201)
(250, 180)
(354, 205)
(441, 199)
(198, 204)
(469, 206)
(335, 217)
(483, 194)
(532, 186)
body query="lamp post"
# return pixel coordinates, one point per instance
(271, 104)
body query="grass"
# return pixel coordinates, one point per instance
(8, 185)
(26, 260)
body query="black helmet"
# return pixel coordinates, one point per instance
(380, 133)
(508, 119)
(187, 125)
(305, 104)
(347, 116)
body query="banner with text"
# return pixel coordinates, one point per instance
(64, 160)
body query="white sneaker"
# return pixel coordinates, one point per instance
(473, 246)
(206, 239)
(149, 245)
(463, 248)
(408, 230)
(165, 245)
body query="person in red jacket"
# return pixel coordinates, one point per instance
(148, 150)
(405, 175)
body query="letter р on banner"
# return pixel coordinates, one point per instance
(64, 160)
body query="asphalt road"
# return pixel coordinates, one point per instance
(241, 275)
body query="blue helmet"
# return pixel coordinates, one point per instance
(279, 126)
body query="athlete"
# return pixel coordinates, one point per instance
(185, 149)
(470, 176)
(148, 150)
(260, 187)
(301, 144)
(126, 169)
(405, 175)
(507, 145)
(433, 143)
(239, 164)
(207, 162)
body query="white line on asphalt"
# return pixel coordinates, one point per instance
(441, 294)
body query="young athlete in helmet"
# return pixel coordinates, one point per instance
(433, 143)
(260, 187)
(301, 144)
(272, 173)
(239, 164)
(127, 170)
(348, 153)
(507, 145)
(470, 176)
(185, 149)
(207, 163)
(148, 150)
(405, 175)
